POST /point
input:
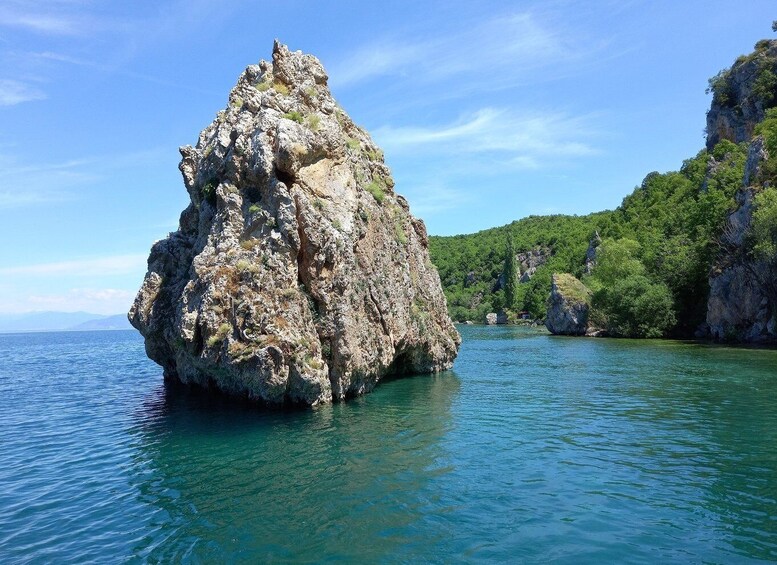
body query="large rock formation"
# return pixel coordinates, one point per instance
(741, 94)
(741, 303)
(297, 273)
(568, 306)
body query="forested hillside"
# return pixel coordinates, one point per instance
(651, 263)
(675, 219)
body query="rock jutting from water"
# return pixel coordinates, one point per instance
(297, 274)
(568, 306)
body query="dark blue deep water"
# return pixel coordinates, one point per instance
(534, 449)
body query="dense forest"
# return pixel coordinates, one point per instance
(653, 254)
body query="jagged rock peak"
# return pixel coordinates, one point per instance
(297, 273)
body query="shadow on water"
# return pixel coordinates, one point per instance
(229, 480)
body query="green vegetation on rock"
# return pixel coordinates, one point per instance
(572, 288)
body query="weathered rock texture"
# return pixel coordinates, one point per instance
(568, 306)
(297, 273)
(590, 254)
(741, 94)
(739, 306)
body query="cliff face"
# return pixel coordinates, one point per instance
(741, 94)
(739, 307)
(297, 273)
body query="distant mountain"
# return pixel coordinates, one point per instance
(59, 321)
(115, 322)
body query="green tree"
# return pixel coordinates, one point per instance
(635, 307)
(764, 225)
(510, 274)
(763, 237)
(616, 260)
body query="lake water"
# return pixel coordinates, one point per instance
(534, 448)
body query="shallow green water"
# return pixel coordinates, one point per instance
(534, 448)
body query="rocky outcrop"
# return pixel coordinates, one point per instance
(741, 304)
(568, 306)
(590, 254)
(528, 263)
(297, 274)
(741, 94)
(738, 308)
(531, 260)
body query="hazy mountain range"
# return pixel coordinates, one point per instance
(61, 321)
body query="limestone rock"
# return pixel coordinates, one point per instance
(756, 155)
(738, 307)
(737, 104)
(491, 319)
(297, 273)
(590, 254)
(568, 306)
(528, 263)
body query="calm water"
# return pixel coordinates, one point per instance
(533, 449)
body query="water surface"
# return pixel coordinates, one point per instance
(534, 448)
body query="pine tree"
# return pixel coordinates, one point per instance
(510, 276)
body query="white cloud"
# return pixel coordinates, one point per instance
(524, 140)
(490, 55)
(93, 267)
(13, 92)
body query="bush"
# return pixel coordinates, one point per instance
(208, 192)
(763, 230)
(294, 116)
(220, 335)
(376, 190)
(635, 307)
(721, 89)
(765, 86)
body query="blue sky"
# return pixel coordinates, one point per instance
(487, 112)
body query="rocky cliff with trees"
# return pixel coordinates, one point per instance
(691, 252)
(297, 274)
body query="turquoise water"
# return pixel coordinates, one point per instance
(535, 448)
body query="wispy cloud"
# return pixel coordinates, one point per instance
(54, 182)
(524, 140)
(115, 69)
(427, 199)
(41, 23)
(497, 50)
(13, 92)
(96, 266)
